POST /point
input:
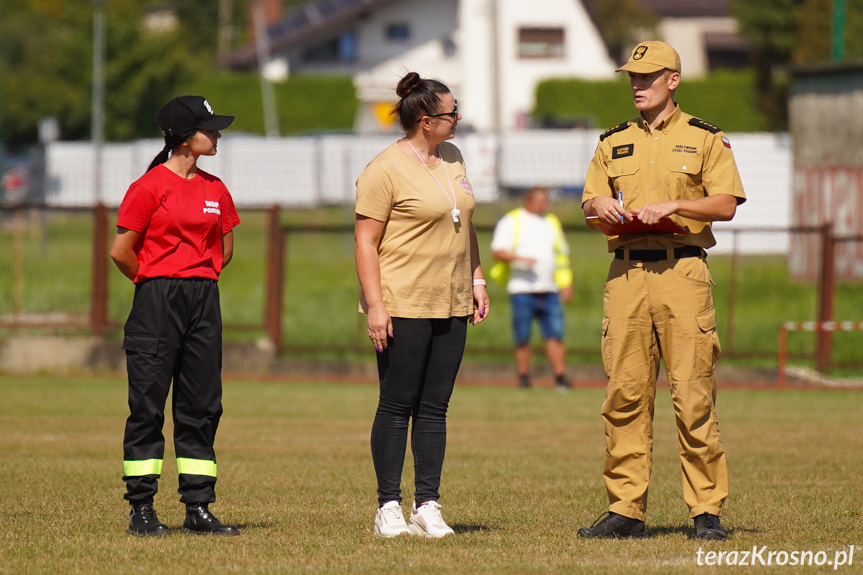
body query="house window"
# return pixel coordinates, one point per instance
(348, 47)
(398, 32)
(340, 49)
(540, 43)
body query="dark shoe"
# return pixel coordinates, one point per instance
(561, 383)
(614, 525)
(707, 526)
(143, 521)
(524, 381)
(200, 520)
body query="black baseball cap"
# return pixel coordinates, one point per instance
(189, 113)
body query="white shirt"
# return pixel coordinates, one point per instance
(536, 239)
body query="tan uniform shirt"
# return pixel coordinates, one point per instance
(682, 158)
(424, 255)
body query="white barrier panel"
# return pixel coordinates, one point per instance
(547, 158)
(311, 171)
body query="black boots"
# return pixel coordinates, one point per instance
(610, 525)
(200, 520)
(143, 521)
(614, 525)
(707, 526)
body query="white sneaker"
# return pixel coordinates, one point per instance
(427, 521)
(389, 521)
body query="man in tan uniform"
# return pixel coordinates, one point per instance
(658, 301)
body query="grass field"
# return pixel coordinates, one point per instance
(522, 473)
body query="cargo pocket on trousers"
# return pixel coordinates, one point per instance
(708, 342)
(605, 346)
(141, 356)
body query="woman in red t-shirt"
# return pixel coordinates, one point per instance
(174, 237)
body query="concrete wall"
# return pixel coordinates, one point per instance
(827, 129)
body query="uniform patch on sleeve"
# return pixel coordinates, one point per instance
(622, 151)
(610, 131)
(699, 123)
(725, 142)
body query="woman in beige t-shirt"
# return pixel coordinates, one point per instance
(422, 282)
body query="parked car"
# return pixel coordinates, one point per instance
(15, 184)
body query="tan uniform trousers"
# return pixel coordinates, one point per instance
(652, 310)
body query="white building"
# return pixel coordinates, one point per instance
(704, 33)
(491, 53)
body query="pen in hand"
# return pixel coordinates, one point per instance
(620, 198)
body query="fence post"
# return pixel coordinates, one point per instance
(99, 285)
(783, 354)
(732, 295)
(275, 278)
(826, 288)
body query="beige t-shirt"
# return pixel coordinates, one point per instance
(424, 256)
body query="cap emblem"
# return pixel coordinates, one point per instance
(639, 53)
(209, 108)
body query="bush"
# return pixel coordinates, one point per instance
(724, 98)
(303, 103)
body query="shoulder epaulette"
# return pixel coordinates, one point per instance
(610, 131)
(699, 123)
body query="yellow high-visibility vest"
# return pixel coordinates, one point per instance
(562, 270)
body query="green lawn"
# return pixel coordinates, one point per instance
(522, 474)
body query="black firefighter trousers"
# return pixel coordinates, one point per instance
(173, 333)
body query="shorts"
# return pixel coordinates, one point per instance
(543, 306)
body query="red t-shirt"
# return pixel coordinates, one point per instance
(181, 223)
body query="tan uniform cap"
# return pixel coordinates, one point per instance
(652, 56)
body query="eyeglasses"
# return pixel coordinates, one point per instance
(453, 114)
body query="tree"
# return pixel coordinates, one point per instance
(142, 71)
(47, 68)
(772, 26)
(817, 33)
(788, 32)
(622, 23)
(42, 57)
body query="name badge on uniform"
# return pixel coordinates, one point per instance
(622, 151)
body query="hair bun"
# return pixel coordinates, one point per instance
(408, 84)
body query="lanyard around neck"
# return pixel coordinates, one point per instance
(455, 211)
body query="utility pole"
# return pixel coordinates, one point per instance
(97, 97)
(497, 120)
(99, 277)
(226, 10)
(262, 43)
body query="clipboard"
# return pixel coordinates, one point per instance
(665, 226)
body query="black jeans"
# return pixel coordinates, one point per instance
(417, 374)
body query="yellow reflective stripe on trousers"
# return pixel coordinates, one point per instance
(142, 467)
(196, 466)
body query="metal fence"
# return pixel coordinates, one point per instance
(295, 284)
